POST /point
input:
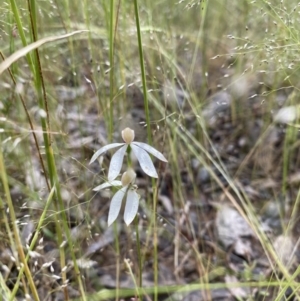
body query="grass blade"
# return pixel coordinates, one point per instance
(25, 50)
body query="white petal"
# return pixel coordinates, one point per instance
(115, 205)
(103, 150)
(107, 184)
(145, 161)
(116, 163)
(151, 150)
(131, 207)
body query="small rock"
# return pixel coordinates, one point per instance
(231, 226)
(287, 114)
(218, 103)
(203, 175)
(284, 247)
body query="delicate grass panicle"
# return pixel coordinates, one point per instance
(140, 151)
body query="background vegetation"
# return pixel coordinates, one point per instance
(213, 85)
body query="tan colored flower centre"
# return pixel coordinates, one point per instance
(128, 135)
(128, 177)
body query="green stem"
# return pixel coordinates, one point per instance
(138, 247)
(146, 107)
(43, 105)
(117, 246)
(136, 221)
(287, 154)
(143, 74)
(21, 32)
(111, 71)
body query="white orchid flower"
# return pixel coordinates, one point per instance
(132, 199)
(140, 150)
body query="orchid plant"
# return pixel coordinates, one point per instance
(128, 188)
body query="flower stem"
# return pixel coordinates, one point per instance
(138, 247)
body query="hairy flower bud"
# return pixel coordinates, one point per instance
(128, 177)
(128, 135)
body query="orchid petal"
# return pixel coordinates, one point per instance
(115, 205)
(116, 163)
(107, 184)
(131, 207)
(103, 150)
(151, 150)
(144, 160)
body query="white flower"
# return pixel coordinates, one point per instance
(132, 199)
(140, 150)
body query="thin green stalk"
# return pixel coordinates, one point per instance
(39, 80)
(12, 29)
(143, 74)
(43, 104)
(136, 222)
(117, 246)
(138, 247)
(146, 108)
(155, 241)
(111, 71)
(21, 32)
(287, 154)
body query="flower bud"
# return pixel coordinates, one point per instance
(128, 135)
(128, 177)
